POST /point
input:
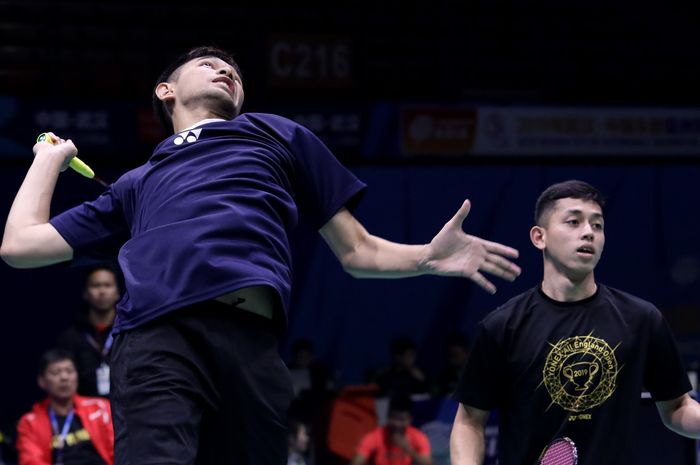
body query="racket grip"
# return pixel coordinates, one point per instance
(76, 163)
(79, 166)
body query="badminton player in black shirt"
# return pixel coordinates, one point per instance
(570, 357)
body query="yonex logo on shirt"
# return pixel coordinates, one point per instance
(187, 136)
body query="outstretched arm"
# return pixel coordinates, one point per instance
(681, 415)
(30, 240)
(450, 253)
(467, 443)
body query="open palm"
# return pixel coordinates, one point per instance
(454, 253)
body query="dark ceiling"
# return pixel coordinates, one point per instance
(597, 53)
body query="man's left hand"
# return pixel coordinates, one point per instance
(454, 253)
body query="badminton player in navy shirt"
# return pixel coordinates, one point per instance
(196, 377)
(570, 357)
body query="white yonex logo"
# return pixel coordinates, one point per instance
(189, 136)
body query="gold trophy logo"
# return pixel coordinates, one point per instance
(581, 374)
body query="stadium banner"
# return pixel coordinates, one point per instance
(458, 130)
(587, 131)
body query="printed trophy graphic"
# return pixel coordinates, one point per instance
(581, 374)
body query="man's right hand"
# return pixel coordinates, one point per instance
(60, 148)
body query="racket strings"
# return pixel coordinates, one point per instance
(560, 452)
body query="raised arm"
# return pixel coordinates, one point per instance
(29, 240)
(467, 443)
(681, 415)
(450, 253)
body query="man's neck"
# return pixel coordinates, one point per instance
(565, 289)
(101, 319)
(61, 406)
(184, 120)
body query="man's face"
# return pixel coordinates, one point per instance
(572, 236)
(300, 442)
(456, 356)
(60, 380)
(101, 292)
(303, 358)
(406, 359)
(209, 82)
(398, 421)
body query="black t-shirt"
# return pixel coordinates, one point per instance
(78, 448)
(573, 369)
(89, 351)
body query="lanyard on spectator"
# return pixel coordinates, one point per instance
(105, 349)
(64, 432)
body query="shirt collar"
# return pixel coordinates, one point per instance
(200, 123)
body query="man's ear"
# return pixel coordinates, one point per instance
(41, 382)
(538, 235)
(165, 91)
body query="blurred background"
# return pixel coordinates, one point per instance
(429, 102)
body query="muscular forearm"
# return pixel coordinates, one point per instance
(33, 200)
(364, 255)
(29, 240)
(375, 257)
(684, 417)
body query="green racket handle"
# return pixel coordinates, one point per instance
(76, 163)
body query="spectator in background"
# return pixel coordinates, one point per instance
(65, 428)
(313, 392)
(403, 376)
(299, 440)
(457, 352)
(396, 443)
(307, 372)
(302, 354)
(89, 340)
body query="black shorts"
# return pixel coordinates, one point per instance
(202, 385)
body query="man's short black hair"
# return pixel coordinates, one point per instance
(400, 345)
(401, 403)
(572, 189)
(161, 109)
(53, 356)
(102, 267)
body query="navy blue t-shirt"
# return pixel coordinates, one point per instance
(574, 369)
(211, 212)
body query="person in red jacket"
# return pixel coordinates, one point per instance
(65, 428)
(396, 443)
